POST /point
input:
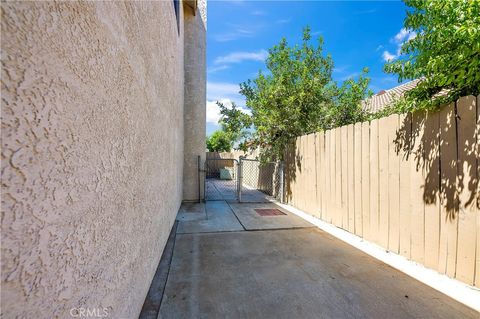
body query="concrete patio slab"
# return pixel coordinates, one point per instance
(191, 211)
(217, 189)
(218, 217)
(298, 273)
(251, 220)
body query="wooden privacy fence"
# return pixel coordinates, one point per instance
(406, 182)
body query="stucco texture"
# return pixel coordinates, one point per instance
(92, 153)
(195, 101)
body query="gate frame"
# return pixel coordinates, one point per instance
(205, 170)
(240, 177)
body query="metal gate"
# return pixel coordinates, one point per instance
(260, 181)
(221, 179)
(246, 180)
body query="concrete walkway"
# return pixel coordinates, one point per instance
(217, 189)
(230, 262)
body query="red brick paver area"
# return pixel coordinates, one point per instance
(269, 212)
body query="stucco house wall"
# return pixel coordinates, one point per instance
(195, 101)
(92, 152)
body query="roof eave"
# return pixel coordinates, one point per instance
(192, 4)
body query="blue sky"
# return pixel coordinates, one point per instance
(357, 34)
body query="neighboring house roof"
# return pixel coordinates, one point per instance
(383, 98)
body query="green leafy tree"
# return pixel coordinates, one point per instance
(237, 124)
(297, 96)
(347, 108)
(219, 141)
(444, 55)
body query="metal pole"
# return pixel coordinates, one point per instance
(240, 178)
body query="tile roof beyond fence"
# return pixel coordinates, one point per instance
(380, 100)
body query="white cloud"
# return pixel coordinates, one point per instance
(217, 91)
(399, 39)
(213, 110)
(387, 56)
(237, 31)
(227, 93)
(404, 35)
(237, 57)
(223, 62)
(234, 35)
(217, 68)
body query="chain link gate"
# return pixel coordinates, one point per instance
(260, 182)
(246, 180)
(221, 179)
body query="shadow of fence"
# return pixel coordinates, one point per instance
(407, 182)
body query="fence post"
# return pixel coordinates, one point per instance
(240, 178)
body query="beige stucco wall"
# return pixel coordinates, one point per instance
(195, 100)
(92, 153)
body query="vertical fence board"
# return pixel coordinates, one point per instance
(351, 178)
(326, 177)
(313, 174)
(295, 173)
(416, 189)
(358, 178)
(403, 148)
(328, 186)
(309, 187)
(448, 191)
(393, 186)
(299, 197)
(466, 183)
(332, 178)
(366, 179)
(338, 178)
(383, 221)
(373, 196)
(321, 170)
(303, 181)
(344, 174)
(477, 155)
(318, 174)
(431, 177)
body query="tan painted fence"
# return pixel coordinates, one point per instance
(408, 183)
